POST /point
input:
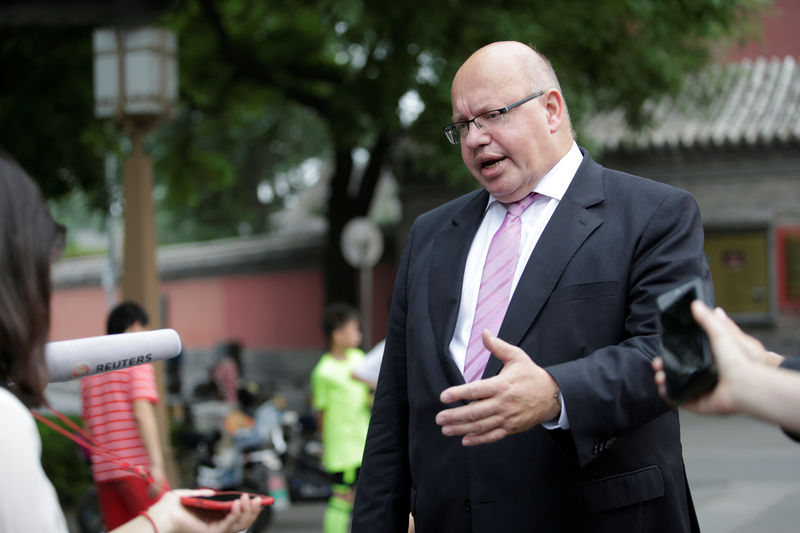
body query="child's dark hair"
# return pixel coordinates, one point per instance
(335, 316)
(124, 316)
(232, 349)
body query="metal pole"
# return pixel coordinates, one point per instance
(365, 275)
(109, 278)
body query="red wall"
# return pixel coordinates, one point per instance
(76, 313)
(779, 34)
(274, 310)
(278, 310)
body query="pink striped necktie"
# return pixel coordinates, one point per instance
(495, 290)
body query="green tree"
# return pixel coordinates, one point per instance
(266, 85)
(348, 63)
(46, 108)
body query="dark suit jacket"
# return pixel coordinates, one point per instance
(584, 310)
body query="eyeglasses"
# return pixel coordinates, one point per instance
(489, 119)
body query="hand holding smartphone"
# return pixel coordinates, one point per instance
(688, 363)
(222, 501)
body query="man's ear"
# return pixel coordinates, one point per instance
(554, 104)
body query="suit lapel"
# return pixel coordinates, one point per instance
(571, 224)
(448, 259)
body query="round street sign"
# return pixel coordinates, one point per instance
(362, 243)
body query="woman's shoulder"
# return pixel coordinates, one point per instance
(16, 418)
(11, 405)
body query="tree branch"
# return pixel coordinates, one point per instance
(369, 180)
(247, 68)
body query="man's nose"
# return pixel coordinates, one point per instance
(475, 136)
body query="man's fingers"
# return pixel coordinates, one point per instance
(483, 388)
(501, 349)
(474, 439)
(478, 427)
(469, 391)
(467, 413)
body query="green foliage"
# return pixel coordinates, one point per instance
(46, 108)
(64, 465)
(211, 163)
(267, 85)
(347, 63)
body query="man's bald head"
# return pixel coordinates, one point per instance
(512, 59)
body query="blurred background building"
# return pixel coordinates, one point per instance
(731, 137)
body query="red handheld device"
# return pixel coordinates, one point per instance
(222, 501)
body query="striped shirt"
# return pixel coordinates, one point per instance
(107, 405)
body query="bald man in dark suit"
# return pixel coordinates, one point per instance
(564, 429)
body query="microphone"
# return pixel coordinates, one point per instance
(78, 358)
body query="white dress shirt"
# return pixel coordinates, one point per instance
(551, 189)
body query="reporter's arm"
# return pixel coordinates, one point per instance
(772, 394)
(749, 381)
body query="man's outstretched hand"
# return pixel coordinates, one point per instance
(521, 396)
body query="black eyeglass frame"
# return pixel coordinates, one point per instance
(451, 131)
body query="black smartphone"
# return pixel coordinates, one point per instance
(688, 363)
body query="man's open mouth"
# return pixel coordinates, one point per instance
(491, 163)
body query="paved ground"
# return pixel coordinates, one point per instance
(299, 518)
(744, 475)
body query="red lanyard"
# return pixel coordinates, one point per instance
(82, 438)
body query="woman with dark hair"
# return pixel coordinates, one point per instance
(29, 241)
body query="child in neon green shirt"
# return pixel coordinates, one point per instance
(342, 405)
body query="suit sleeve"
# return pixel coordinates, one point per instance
(611, 389)
(792, 363)
(383, 497)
